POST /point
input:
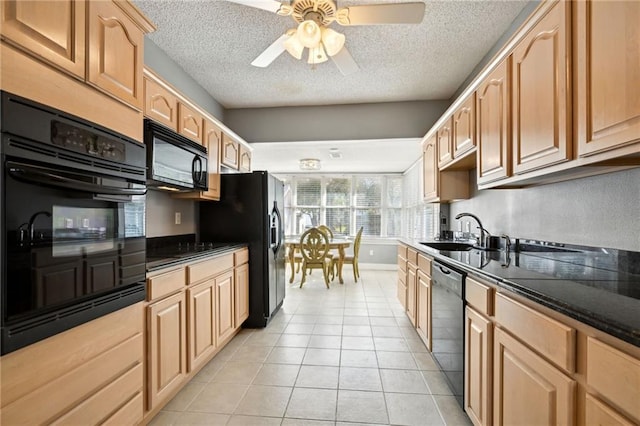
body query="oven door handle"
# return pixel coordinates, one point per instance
(48, 177)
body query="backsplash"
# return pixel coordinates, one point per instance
(161, 212)
(599, 211)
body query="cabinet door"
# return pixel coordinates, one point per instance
(245, 159)
(212, 140)
(224, 302)
(423, 309)
(52, 30)
(412, 284)
(492, 121)
(464, 127)
(115, 53)
(608, 74)
(540, 93)
(478, 358)
(167, 347)
(190, 123)
(160, 104)
(201, 304)
(445, 151)
(430, 170)
(528, 389)
(229, 154)
(241, 294)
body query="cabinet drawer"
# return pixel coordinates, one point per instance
(209, 268)
(102, 403)
(129, 414)
(479, 295)
(402, 251)
(161, 285)
(598, 413)
(402, 264)
(549, 337)
(241, 256)
(412, 256)
(424, 264)
(614, 375)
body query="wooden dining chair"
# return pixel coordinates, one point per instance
(351, 259)
(314, 247)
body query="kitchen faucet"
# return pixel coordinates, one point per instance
(32, 220)
(483, 239)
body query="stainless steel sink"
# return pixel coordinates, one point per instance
(449, 246)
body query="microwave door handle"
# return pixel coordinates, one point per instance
(195, 173)
(48, 177)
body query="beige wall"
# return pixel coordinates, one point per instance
(160, 215)
(600, 211)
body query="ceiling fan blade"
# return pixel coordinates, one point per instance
(270, 5)
(271, 53)
(376, 14)
(344, 61)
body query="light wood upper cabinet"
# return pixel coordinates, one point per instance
(607, 56)
(160, 104)
(245, 159)
(190, 123)
(492, 121)
(445, 150)
(167, 347)
(540, 93)
(51, 30)
(528, 389)
(464, 127)
(430, 169)
(229, 152)
(115, 52)
(201, 303)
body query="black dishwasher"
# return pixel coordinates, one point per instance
(448, 325)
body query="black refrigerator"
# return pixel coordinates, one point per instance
(251, 211)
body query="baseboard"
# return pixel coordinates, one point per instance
(377, 266)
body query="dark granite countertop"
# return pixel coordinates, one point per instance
(597, 286)
(171, 254)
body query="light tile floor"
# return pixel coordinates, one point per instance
(341, 356)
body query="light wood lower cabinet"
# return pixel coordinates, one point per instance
(167, 347)
(201, 304)
(225, 301)
(478, 359)
(412, 291)
(423, 314)
(528, 389)
(87, 375)
(241, 293)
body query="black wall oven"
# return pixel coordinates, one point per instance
(73, 231)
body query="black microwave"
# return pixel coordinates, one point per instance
(174, 163)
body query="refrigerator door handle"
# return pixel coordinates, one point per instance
(276, 228)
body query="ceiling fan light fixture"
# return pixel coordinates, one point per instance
(293, 46)
(309, 34)
(317, 55)
(333, 41)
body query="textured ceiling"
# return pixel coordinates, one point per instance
(215, 42)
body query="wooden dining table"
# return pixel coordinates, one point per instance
(334, 243)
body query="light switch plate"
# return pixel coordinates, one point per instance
(178, 218)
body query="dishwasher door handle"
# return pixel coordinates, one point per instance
(444, 270)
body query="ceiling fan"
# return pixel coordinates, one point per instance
(312, 32)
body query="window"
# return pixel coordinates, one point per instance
(344, 203)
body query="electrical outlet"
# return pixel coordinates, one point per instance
(178, 218)
(370, 252)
